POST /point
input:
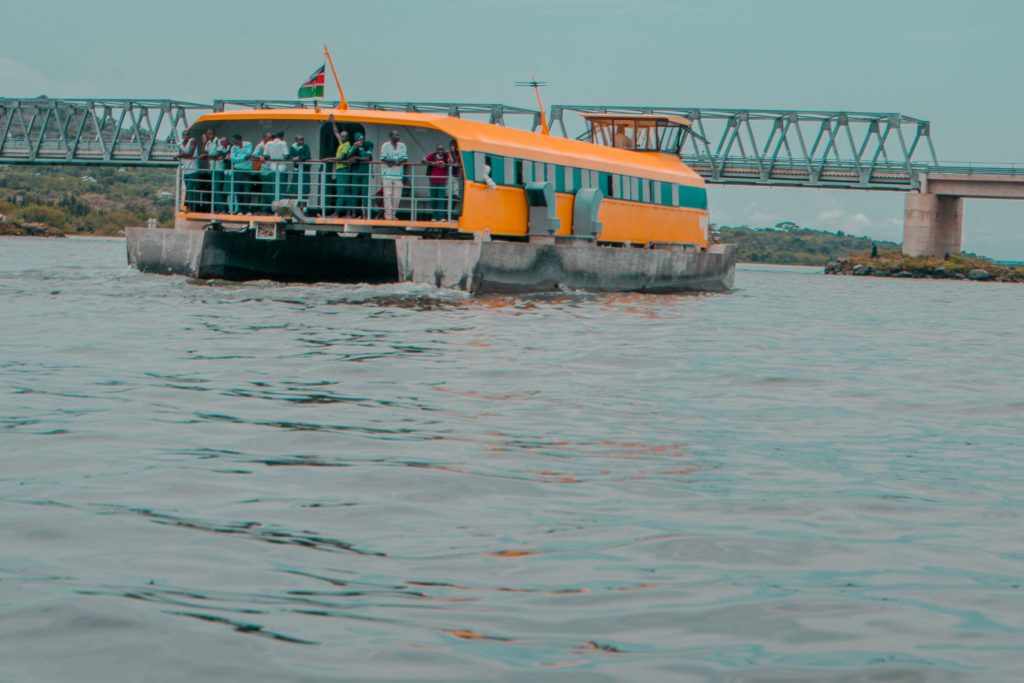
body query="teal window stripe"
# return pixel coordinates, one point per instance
(693, 197)
(468, 165)
(559, 178)
(498, 169)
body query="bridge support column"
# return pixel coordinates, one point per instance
(933, 224)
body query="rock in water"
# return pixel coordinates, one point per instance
(979, 274)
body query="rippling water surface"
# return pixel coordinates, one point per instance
(813, 478)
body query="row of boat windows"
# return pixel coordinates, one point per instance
(512, 172)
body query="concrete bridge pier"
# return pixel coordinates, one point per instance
(933, 224)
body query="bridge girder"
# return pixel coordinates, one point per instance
(769, 147)
(801, 148)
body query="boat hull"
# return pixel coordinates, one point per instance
(210, 254)
(483, 267)
(478, 266)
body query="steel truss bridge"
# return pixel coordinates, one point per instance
(769, 147)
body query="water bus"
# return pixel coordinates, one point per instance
(496, 209)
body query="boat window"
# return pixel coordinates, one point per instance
(609, 182)
(480, 163)
(624, 135)
(519, 173)
(497, 165)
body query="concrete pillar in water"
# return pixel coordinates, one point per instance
(933, 224)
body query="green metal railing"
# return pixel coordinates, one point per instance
(414, 195)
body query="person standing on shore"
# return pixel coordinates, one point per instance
(393, 155)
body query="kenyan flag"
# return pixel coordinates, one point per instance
(313, 88)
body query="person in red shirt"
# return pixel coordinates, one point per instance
(438, 164)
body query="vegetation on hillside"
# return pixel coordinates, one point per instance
(98, 200)
(789, 244)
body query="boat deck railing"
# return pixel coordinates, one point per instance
(323, 192)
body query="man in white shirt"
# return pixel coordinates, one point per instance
(275, 151)
(189, 167)
(393, 155)
(213, 152)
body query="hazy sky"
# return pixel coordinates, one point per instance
(957, 64)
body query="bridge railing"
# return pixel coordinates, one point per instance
(93, 131)
(841, 149)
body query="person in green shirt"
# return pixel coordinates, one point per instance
(358, 159)
(240, 175)
(300, 154)
(340, 178)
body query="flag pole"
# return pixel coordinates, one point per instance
(342, 102)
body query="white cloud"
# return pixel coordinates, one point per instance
(22, 80)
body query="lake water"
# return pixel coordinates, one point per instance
(815, 478)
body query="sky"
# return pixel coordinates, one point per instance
(954, 63)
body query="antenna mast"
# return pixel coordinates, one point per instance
(536, 85)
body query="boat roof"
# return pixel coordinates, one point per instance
(654, 118)
(495, 139)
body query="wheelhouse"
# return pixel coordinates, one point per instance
(639, 132)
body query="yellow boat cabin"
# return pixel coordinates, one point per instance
(621, 182)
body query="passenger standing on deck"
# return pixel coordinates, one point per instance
(203, 188)
(213, 152)
(340, 182)
(241, 175)
(455, 173)
(275, 151)
(358, 160)
(438, 163)
(393, 155)
(257, 194)
(221, 167)
(189, 167)
(300, 154)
